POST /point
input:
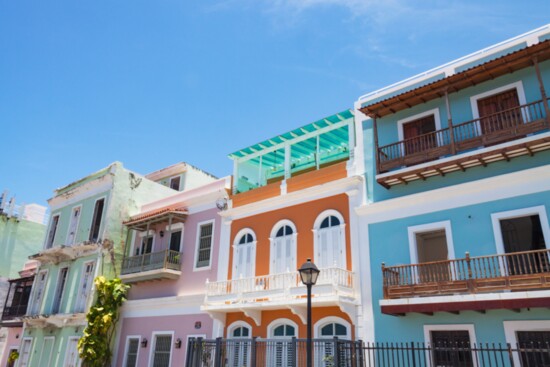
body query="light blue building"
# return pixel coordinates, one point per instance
(457, 165)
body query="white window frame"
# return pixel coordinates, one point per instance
(278, 322)
(42, 351)
(59, 284)
(272, 238)
(238, 324)
(170, 181)
(175, 228)
(76, 227)
(429, 227)
(197, 244)
(316, 229)
(140, 236)
(518, 213)
(401, 122)
(127, 345)
(511, 327)
(20, 360)
(470, 328)
(79, 361)
(35, 290)
(58, 215)
(236, 244)
(101, 224)
(81, 283)
(154, 335)
(517, 85)
(330, 320)
(189, 336)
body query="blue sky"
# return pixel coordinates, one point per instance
(152, 83)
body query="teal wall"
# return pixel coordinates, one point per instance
(60, 344)
(472, 231)
(18, 240)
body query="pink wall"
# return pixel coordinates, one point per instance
(190, 282)
(181, 325)
(11, 341)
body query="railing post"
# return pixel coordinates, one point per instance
(336, 349)
(413, 355)
(450, 123)
(510, 354)
(542, 91)
(218, 353)
(294, 352)
(198, 353)
(469, 266)
(253, 346)
(376, 145)
(385, 281)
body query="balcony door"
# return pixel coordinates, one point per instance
(283, 257)
(40, 285)
(85, 286)
(330, 246)
(414, 142)
(494, 111)
(60, 290)
(73, 225)
(279, 353)
(239, 351)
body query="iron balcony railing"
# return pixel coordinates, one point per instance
(12, 312)
(513, 271)
(277, 284)
(166, 259)
(291, 352)
(489, 130)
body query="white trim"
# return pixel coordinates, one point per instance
(518, 213)
(60, 284)
(506, 186)
(76, 226)
(512, 327)
(413, 230)
(45, 246)
(189, 336)
(35, 290)
(464, 327)
(237, 247)
(278, 322)
(236, 325)
(174, 230)
(174, 227)
(272, 239)
(401, 122)
(279, 224)
(79, 361)
(185, 304)
(100, 185)
(91, 285)
(518, 86)
(142, 234)
(330, 320)
(28, 362)
(126, 346)
(316, 229)
(197, 243)
(103, 214)
(154, 335)
(150, 233)
(170, 181)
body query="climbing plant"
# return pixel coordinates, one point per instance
(14, 355)
(94, 347)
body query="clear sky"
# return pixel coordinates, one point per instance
(152, 83)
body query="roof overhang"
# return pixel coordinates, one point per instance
(489, 70)
(140, 221)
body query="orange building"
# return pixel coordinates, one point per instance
(292, 200)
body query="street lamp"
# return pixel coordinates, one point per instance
(308, 274)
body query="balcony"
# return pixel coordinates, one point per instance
(164, 264)
(504, 135)
(17, 301)
(335, 287)
(468, 282)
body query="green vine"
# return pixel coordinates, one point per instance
(14, 355)
(94, 346)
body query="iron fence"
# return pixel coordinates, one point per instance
(336, 352)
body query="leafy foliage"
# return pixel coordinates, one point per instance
(95, 345)
(14, 355)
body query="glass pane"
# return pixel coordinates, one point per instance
(303, 156)
(279, 331)
(334, 146)
(327, 330)
(341, 330)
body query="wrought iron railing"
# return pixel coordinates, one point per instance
(291, 352)
(512, 271)
(166, 259)
(499, 127)
(12, 312)
(249, 287)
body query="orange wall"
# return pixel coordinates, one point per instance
(303, 216)
(317, 314)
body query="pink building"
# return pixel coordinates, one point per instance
(172, 250)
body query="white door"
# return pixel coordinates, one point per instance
(39, 292)
(330, 244)
(243, 261)
(279, 354)
(47, 349)
(239, 355)
(72, 359)
(73, 226)
(284, 253)
(25, 353)
(85, 287)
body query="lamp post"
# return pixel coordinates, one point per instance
(308, 274)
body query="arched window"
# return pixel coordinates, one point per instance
(280, 354)
(283, 247)
(239, 352)
(333, 329)
(244, 254)
(328, 328)
(330, 240)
